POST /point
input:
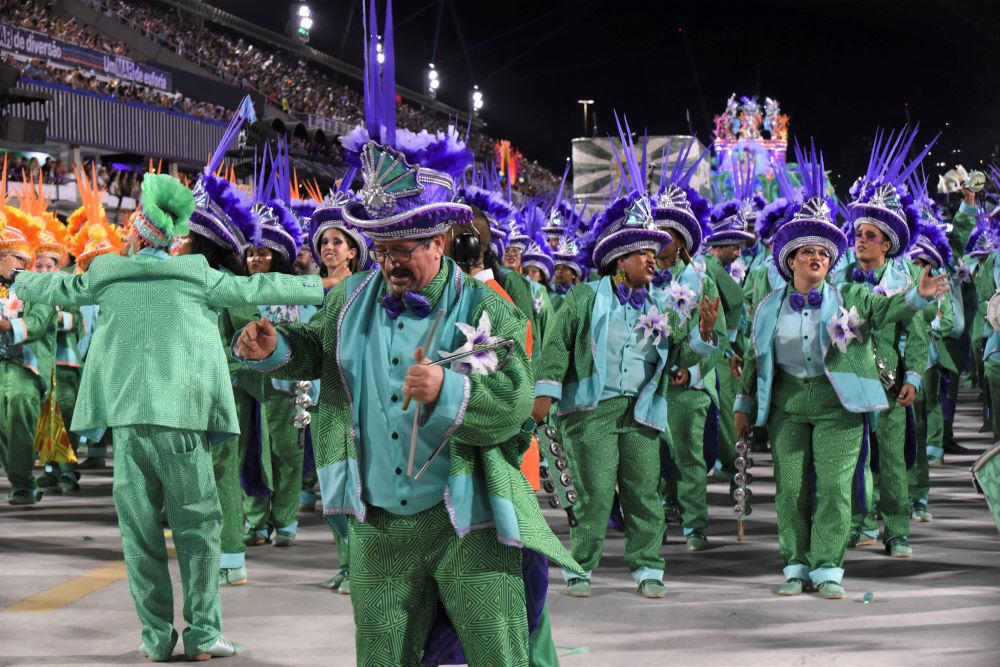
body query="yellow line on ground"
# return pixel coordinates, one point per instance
(69, 592)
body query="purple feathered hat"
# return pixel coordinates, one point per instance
(538, 255)
(280, 229)
(627, 225)
(809, 220)
(527, 221)
(678, 206)
(569, 252)
(983, 239)
(881, 198)
(409, 177)
(931, 244)
(497, 210)
(330, 215)
(777, 211)
(223, 213)
(732, 222)
(557, 218)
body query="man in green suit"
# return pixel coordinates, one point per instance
(466, 526)
(157, 376)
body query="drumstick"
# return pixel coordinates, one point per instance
(427, 351)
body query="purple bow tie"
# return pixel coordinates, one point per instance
(661, 278)
(797, 300)
(562, 289)
(395, 303)
(634, 297)
(859, 276)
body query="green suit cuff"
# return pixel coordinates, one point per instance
(915, 301)
(549, 388)
(701, 347)
(967, 210)
(18, 330)
(280, 357)
(449, 409)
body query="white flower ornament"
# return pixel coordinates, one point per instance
(963, 272)
(738, 270)
(653, 325)
(481, 363)
(681, 298)
(846, 327)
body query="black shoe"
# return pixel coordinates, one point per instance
(952, 447)
(48, 479)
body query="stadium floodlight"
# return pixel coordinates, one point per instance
(477, 98)
(380, 56)
(433, 81)
(300, 21)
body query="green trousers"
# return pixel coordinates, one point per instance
(162, 467)
(728, 386)
(889, 490)
(20, 408)
(541, 649)
(812, 432)
(67, 386)
(226, 461)
(606, 448)
(991, 371)
(687, 414)
(930, 434)
(401, 566)
(282, 461)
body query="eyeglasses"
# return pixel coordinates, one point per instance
(814, 252)
(871, 237)
(396, 256)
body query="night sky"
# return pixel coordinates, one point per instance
(839, 69)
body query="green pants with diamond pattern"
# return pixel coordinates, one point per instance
(930, 433)
(811, 431)
(67, 387)
(401, 566)
(226, 460)
(728, 386)
(889, 490)
(162, 467)
(606, 448)
(20, 407)
(282, 461)
(688, 481)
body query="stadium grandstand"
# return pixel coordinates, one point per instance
(79, 76)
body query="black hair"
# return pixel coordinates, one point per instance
(218, 257)
(279, 263)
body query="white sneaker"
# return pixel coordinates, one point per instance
(222, 648)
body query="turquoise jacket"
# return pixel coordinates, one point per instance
(852, 374)
(572, 369)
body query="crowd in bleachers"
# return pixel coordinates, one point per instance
(289, 83)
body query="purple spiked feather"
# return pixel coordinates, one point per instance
(244, 113)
